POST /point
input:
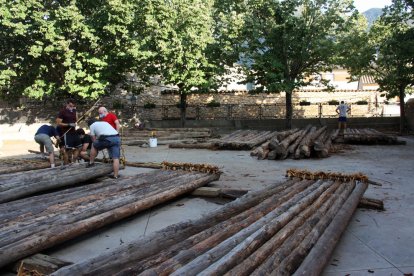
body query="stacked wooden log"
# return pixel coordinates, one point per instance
(368, 136)
(11, 165)
(297, 144)
(168, 135)
(243, 139)
(36, 223)
(283, 229)
(17, 185)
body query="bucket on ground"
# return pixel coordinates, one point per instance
(153, 142)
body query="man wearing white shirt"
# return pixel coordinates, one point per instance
(342, 110)
(104, 136)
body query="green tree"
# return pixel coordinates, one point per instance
(194, 42)
(388, 53)
(62, 48)
(287, 42)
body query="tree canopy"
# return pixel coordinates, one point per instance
(68, 47)
(286, 42)
(387, 53)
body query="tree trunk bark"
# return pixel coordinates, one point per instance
(401, 91)
(183, 107)
(289, 109)
(18, 185)
(21, 165)
(319, 255)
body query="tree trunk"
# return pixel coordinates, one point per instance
(18, 185)
(21, 165)
(183, 107)
(401, 91)
(289, 109)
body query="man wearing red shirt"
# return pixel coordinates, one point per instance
(109, 117)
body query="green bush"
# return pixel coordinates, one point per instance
(149, 105)
(304, 103)
(333, 102)
(117, 104)
(363, 102)
(213, 104)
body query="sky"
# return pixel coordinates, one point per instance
(364, 5)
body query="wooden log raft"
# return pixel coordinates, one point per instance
(36, 223)
(278, 224)
(21, 184)
(368, 136)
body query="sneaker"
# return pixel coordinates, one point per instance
(114, 177)
(90, 165)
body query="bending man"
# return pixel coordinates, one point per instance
(42, 137)
(104, 136)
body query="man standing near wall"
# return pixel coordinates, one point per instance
(342, 110)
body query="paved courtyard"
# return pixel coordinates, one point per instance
(374, 243)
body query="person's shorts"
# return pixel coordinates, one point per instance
(112, 143)
(342, 119)
(71, 141)
(44, 139)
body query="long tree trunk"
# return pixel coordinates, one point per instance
(183, 107)
(401, 91)
(289, 109)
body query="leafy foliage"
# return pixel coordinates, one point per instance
(193, 41)
(387, 52)
(67, 47)
(287, 42)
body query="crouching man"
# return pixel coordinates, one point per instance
(104, 136)
(43, 138)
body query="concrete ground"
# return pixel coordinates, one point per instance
(374, 243)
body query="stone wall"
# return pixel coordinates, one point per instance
(233, 105)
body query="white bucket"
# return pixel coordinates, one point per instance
(153, 142)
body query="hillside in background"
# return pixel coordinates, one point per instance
(372, 15)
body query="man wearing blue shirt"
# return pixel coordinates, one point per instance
(43, 138)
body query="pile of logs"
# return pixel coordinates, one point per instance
(297, 144)
(17, 185)
(39, 222)
(20, 165)
(368, 136)
(133, 137)
(284, 229)
(243, 139)
(237, 140)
